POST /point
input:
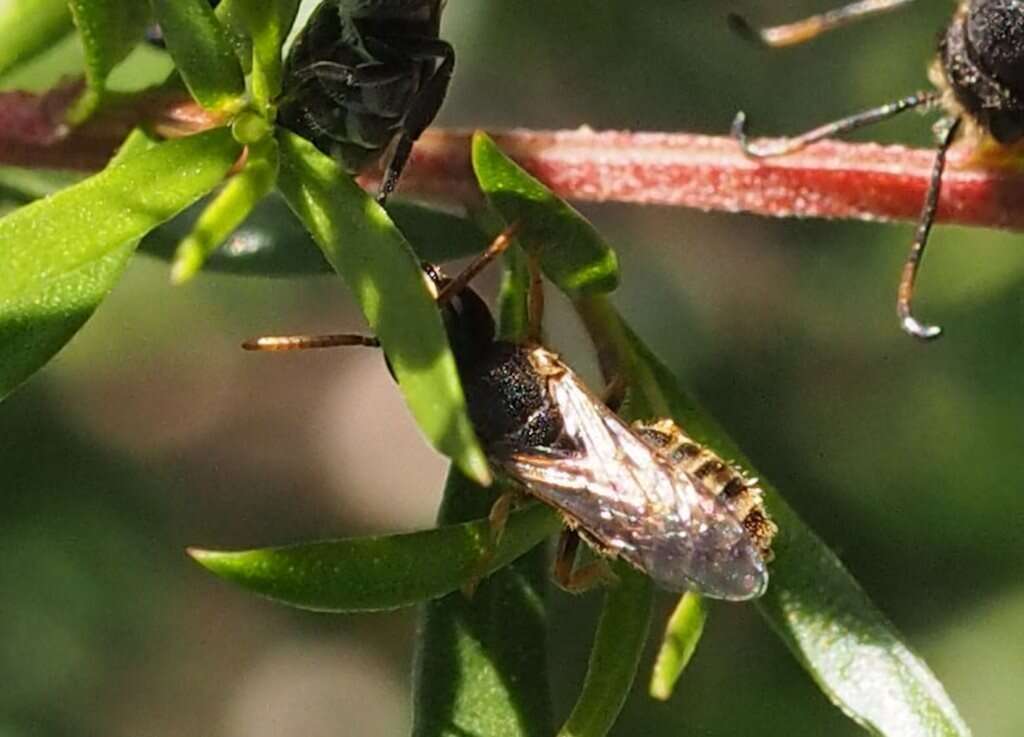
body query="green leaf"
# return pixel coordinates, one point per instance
(481, 666)
(513, 297)
(615, 656)
(822, 614)
(267, 22)
(273, 243)
(29, 27)
(227, 210)
(270, 242)
(63, 254)
(202, 51)
(109, 30)
(366, 248)
(377, 573)
(571, 251)
(437, 236)
(682, 634)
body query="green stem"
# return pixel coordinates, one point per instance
(615, 657)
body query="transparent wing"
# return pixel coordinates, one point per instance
(637, 505)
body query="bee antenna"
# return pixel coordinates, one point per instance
(801, 31)
(739, 25)
(497, 247)
(908, 322)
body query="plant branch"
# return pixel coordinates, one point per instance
(831, 179)
(827, 180)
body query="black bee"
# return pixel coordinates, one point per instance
(646, 493)
(979, 80)
(363, 72)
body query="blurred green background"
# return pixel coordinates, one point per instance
(153, 431)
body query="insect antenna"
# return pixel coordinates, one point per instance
(908, 322)
(844, 125)
(498, 246)
(307, 342)
(798, 32)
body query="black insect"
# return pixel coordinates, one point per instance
(979, 80)
(363, 72)
(645, 493)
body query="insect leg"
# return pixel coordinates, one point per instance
(578, 580)
(614, 393)
(498, 520)
(535, 301)
(306, 342)
(423, 110)
(363, 75)
(844, 125)
(908, 322)
(800, 31)
(464, 277)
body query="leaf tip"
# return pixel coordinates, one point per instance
(215, 561)
(475, 466)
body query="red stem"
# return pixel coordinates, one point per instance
(829, 180)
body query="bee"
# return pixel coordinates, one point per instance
(978, 75)
(646, 493)
(362, 73)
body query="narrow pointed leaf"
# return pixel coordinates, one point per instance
(227, 211)
(267, 23)
(513, 300)
(63, 254)
(682, 634)
(109, 30)
(615, 656)
(272, 242)
(835, 631)
(571, 251)
(202, 51)
(481, 664)
(29, 27)
(364, 246)
(377, 573)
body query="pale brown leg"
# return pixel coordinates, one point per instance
(498, 246)
(614, 393)
(307, 342)
(498, 519)
(578, 580)
(804, 30)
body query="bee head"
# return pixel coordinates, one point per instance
(467, 319)
(982, 56)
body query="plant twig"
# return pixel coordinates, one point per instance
(828, 180)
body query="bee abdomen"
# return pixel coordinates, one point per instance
(742, 495)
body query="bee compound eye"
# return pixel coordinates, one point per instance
(995, 39)
(1006, 127)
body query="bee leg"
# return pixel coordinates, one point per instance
(578, 580)
(905, 294)
(362, 75)
(800, 31)
(614, 393)
(792, 144)
(534, 301)
(421, 113)
(306, 342)
(498, 519)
